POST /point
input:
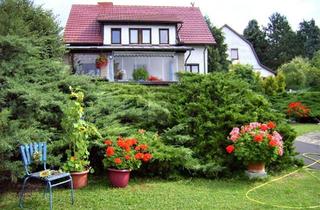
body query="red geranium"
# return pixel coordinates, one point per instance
(139, 156)
(110, 151)
(264, 127)
(146, 157)
(273, 143)
(298, 110)
(126, 153)
(108, 142)
(153, 78)
(271, 125)
(255, 142)
(230, 149)
(117, 161)
(258, 138)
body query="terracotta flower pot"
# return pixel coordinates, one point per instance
(256, 167)
(79, 179)
(118, 178)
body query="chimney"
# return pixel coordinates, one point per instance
(105, 4)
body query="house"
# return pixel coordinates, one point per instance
(241, 51)
(161, 39)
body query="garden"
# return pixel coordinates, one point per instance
(183, 146)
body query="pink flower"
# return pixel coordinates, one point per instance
(277, 136)
(235, 131)
(234, 138)
(254, 125)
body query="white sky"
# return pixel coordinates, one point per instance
(235, 13)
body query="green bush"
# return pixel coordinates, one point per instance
(204, 110)
(140, 74)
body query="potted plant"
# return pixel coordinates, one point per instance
(255, 144)
(101, 61)
(140, 74)
(77, 133)
(122, 156)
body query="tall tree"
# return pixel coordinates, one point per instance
(24, 19)
(282, 40)
(258, 39)
(309, 35)
(217, 55)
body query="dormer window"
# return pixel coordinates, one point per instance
(146, 36)
(164, 36)
(116, 36)
(140, 35)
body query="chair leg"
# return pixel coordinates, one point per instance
(45, 190)
(71, 188)
(22, 192)
(50, 194)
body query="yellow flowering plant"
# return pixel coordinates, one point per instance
(77, 132)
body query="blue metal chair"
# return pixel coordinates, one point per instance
(28, 151)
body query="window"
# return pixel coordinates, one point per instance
(133, 36)
(193, 68)
(164, 36)
(140, 35)
(234, 54)
(146, 36)
(116, 36)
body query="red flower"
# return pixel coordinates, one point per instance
(108, 142)
(131, 142)
(264, 127)
(271, 125)
(117, 161)
(110, 151)
(143, 146)
(270, 137)
(273, 143)
(147, 157)
(230, 149)
(258, 138)
(139, 156)
(127, 148)
(137, 148)
(127, 157)
(121, 143)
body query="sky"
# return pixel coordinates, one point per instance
(235, 13)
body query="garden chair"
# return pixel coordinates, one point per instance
(38, 152)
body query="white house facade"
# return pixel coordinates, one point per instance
(161, 40)
(241, 51)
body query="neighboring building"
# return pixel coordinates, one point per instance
(241, 51)
(161, 39)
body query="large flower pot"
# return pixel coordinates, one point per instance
(256, 171)
(256, 167)
(118, 178)
(79, 179)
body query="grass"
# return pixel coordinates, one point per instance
(300, 189)
(303, 128)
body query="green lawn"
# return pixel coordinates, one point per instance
(305, 128)
(300, 189)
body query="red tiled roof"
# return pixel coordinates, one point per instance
(83, 26)
(146, 18)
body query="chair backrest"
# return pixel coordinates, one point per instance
(28, 151)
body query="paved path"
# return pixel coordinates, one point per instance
(310, 143)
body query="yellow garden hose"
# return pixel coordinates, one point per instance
(284, 176)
